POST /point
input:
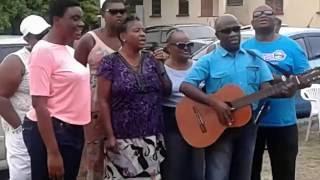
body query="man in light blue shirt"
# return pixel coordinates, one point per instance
(230, 157)
(278, 129)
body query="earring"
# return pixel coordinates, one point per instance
(124, 41)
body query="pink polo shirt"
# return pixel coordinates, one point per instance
(54, 73)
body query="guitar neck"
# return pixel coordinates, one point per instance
(307, 77)
(267, 92)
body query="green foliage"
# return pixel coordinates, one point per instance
(91, 11)
(9, 11)
(13, 11)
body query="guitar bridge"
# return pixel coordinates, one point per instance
(200, 120)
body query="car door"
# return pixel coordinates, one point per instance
(313, 41)
(303, 107)
(310, 43)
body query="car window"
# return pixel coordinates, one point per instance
(164, 35)
(203, 51)
(314, 42)
(153, 36)
(302, 43)
(196, 47)
(7, 49)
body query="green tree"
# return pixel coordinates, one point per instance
(10, 13)
(91, 11)
(13, 11)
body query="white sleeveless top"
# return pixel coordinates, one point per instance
(21, 100)
(95, 56)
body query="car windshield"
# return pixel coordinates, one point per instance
(199, 32)
(196, 47)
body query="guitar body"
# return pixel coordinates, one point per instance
(190, 114)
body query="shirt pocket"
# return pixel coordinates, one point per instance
(218, 80)
(253, 78)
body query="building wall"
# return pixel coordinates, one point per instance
(299, 13)
(170, 9)
(243, 13)
(296, 12)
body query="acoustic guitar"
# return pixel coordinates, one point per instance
(199, 123)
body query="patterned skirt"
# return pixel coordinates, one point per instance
(138, 158)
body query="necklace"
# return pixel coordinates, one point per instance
(136, 64)
(133, 65)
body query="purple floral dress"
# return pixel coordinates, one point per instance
(136, 116)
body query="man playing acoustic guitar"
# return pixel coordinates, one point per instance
(277, 128)
(230, 157)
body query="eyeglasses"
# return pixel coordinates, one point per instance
(235, 29)
(116, 11)
(260, 13)
(182, 45)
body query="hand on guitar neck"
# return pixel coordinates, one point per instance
(290, 85)
(288, 89)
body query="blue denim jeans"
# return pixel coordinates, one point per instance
(230, 158)
(70, 140)
(182, 162)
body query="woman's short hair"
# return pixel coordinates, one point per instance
(124, 26)
(171, 32)
(59, 7)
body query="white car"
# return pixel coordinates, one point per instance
(8, 44)
(200, 34)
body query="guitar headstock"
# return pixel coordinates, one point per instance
(310, 76)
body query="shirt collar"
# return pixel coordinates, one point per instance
(223, 52)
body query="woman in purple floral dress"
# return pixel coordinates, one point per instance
(131, 85)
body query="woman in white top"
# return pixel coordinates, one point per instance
(15, 100)
(183, 161)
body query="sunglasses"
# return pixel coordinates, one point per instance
(116, 11)
(181, 45)
(235, 29)
(260, 13)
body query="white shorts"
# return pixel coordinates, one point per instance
(17, 156)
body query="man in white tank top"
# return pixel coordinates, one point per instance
(15, 100)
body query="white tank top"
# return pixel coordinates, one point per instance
(21, 100)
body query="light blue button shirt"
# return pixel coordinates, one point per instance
(220, 68)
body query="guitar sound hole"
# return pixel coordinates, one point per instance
(229, 104)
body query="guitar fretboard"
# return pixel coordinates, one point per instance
(246, 100)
